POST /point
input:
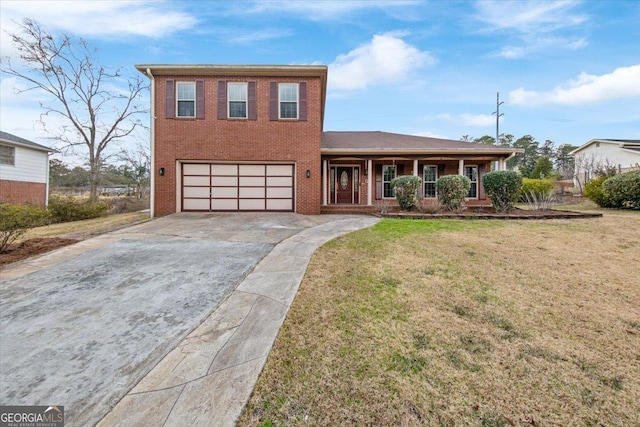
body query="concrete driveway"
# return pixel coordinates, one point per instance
(82, 326)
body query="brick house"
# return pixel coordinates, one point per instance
(250, 138)
(24, 171)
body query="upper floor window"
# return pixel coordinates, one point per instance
(288, 100)
(186, 99)
(237, 99)
(7, 155)
(471, 172)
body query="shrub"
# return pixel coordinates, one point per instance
(407, 189)
(503, 188)
(594, 192)
(452, 189)
(538, 186)
(623, 191)
(67, 208)
(127, 204)
(429, 206)
(538, 202)
(15, 220)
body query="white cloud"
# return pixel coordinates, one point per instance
(539, 25)
(465, 119)
(100, 18)
(386, 58)
(623, 82)
(430, 135)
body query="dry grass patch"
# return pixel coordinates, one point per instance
(453, 323)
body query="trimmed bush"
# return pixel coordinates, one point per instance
(407, 190)
(540, 187)
(594, 191)
(15, 220)
(623, 191)
(503, 188)
(452, 190)
(67, 208)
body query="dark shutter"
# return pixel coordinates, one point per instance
(199, 99)
(273, 101)
(170, 96)
(302, 101)
(481, 193)
(222, 100)
(252, 114)
(441, 170)
(378, 182)
(399, 170)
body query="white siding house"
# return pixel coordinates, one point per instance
(24, 170)
(623, 154)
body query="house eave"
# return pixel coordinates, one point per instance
(31, 147)
(418, 152)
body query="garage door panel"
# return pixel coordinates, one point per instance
(279, 193)
(196, 204)
(224, 181)
(251, 170)
(224, 170)
(196, 180)
(195, 169)
(233, 187)
(251, 192)
(252, 204)
(224, 204)
(224, 192)
(199, 192)
(252, 181)
(279, 170)
(279, 204)
(279, 181)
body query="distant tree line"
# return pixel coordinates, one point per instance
(539, 160)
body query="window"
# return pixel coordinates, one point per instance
(7, 155)
(237, 99)
(288, 99)
(430, 178)
(471, 172)
(388, 174)
(186, 95)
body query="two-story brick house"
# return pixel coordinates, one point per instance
(250, 138)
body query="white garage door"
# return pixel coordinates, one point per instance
(237, 187)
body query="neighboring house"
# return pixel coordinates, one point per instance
(24, 171)
(250, 138)
(621, 154)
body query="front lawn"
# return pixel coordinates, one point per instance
(454, 323)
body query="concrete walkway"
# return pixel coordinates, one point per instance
(208, 378)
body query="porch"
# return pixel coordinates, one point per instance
(360, 184)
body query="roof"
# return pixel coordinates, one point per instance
(376, 142)
(12, 139)
(622, 143)
(319, 71)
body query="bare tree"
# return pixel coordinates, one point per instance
(586, 166)
(100, 105)
(137, 162)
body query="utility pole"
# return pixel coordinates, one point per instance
(497, 113)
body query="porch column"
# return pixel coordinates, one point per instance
(503, 165)
(370, 172)
(461, 167)
(324, 182)
(415, 168)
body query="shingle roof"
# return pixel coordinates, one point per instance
(386, 142)
(4, 136)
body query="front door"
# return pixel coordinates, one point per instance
(344, 185)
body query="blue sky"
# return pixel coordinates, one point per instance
(568, 71)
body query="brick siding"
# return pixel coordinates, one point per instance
(20, 192)
(238, 140)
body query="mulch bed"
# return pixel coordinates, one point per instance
(490, 213)
(31, 247)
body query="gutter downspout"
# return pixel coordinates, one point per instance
(152, 171)
(46, 191)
